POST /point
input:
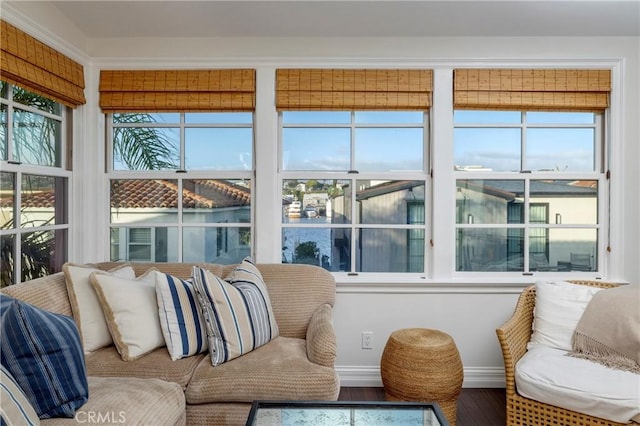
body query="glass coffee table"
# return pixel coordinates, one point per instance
(347, 413)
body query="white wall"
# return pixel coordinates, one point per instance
(468, 311)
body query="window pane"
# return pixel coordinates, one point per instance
(115, 255)
(43, 201)
(219, 117)
(144, 201)
(218, 149)
(560, 150)
(146, 148)
(486, 117)
(140, 253)
(316, 149)
(389, 117)
(4, 87)
(495, 249)
(389, 149)
(329, 248)
(159, 244)
(7, 260)
(572, 249)
(569, 201)
(143, 117)
(223, 245)
(389, 250)
(140, 236)
(43, 253)
(215, 200)
(489, 201)
(316, 117)
(7, 197)
(560, 117)
(388, 202)
(36, 139)
(316, 201)
(3, 133)
(36, 101)
(487, 149)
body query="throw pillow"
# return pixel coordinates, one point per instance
(43, 353)
(238, 316)
(15, 408)
(559, 306)
(131, 310)
(183, 327)
(85, 305)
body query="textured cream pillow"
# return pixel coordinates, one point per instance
(86, 306)
(131, 310)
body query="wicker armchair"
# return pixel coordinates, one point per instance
(514, 336)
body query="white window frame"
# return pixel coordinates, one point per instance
(420, 175)
(20, 169)
(178, 175)
(527, 176)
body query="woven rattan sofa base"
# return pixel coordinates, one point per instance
(513, 337)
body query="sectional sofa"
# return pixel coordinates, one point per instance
(154, 389)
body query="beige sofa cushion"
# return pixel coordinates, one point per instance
(131, 401)
(278, 370)
(106, 362)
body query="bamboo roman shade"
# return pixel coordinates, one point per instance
(353, 89)
(36, 67)
(177, 90)
(532, 89)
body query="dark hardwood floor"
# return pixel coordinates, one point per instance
(476, 406)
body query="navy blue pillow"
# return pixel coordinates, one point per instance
(43, 352)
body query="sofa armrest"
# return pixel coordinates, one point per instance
(321, 337)
(514, 335)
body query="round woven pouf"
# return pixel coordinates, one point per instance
(420, 364)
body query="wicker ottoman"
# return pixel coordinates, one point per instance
(420, 364)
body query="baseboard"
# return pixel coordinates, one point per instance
(474, 377)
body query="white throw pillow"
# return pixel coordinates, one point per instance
(131, 310)
(559, 306)
(86, 306)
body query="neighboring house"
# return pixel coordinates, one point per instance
(141, 210)
(395, 202)
(551, 202)
(206, 204)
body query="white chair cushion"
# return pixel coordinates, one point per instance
(549, 376)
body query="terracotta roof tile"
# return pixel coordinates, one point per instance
(156, 193)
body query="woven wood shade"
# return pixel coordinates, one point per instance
(36, 67)
(177, 90)
(346, 89)
(532, 89)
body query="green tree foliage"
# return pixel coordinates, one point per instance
(143, 148)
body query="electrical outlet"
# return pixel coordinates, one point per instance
(367, 340)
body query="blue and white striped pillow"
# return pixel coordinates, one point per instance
(181, 319)
(15, 408)
(43, 352)
(239, 317)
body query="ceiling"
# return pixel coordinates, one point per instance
(345, 18)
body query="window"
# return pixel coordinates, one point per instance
(354, 186)
(180, 186)
(528, 190)
(34, 185)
